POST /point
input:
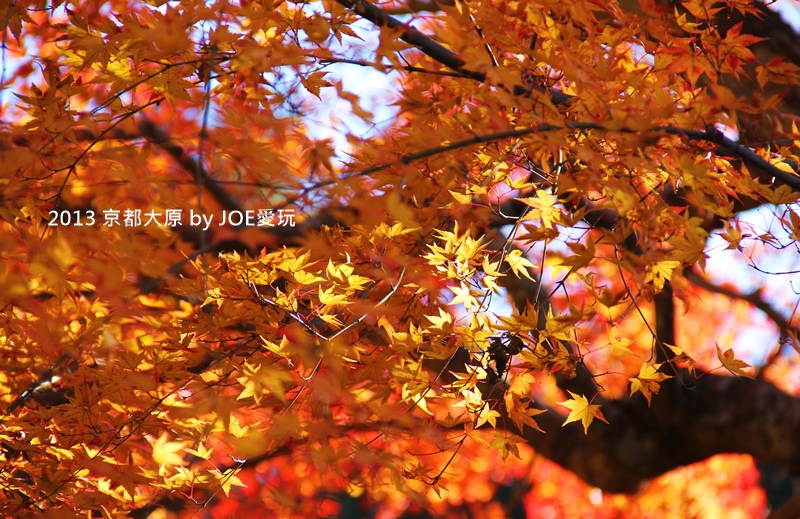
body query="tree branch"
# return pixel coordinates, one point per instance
(155, 135)
(450, 59)
(788, 332)
(431, 47)
(719, 415)
(747, 155)
(788, 510)
(754, 298)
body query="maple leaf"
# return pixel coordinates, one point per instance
(581, 410)
(201, 452)
(328, 298)
(733, 235)
(544, 208)
(794, 225)
(257, 382)
(440, 321)
(473, 400)
(487, 415)
(490, 283)
(681, 356)
(690, 249)
(468, 249)
(609, 149)
(463, 296)
(461, 198)
(520, 413)
(582, 254)
(168, 453)
(519, 264)
(733, 364)
(491, 268)
(226, 479)
(648, 381)
(314, 82)
(661, 272)
(621, 345)
(492, 273)
(506, 446)
(521, 384)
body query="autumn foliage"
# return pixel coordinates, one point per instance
(241, 276)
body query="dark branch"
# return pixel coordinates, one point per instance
(788, 333)
(719, 415)
(155, 135)
(747, 155)
(453, 61)
(754, 298)
(431, 47)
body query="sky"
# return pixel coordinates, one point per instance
(789, 11)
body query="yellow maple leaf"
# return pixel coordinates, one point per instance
(491, 269)
(583, 254)
(782, 195)
(294, 263)
(733, 364)
(690, 249)
(506, 446)
(226, 479)
(328, 298)
(416, 395)
(733, 236)
(307, 278)
(543, 207)
(461, 198)
(487, 415)
(201, 452)
(622, 196)
(236, 428)
(681, 356)
(473, 400)
(660, 272)
(619, 344)
(338, 272)
(214, 295)
(519, 264)
(167, 453)
(489, 282)
(468, 249)
(649, 380)
(440, 321)
(580, 409)
(463, 296)
(256, 383)
(521, 384)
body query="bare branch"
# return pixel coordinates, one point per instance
(788, 331)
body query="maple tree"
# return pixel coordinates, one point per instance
(306, 318)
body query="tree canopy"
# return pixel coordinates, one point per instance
(524, 271)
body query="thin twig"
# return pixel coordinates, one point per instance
(788, 332)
